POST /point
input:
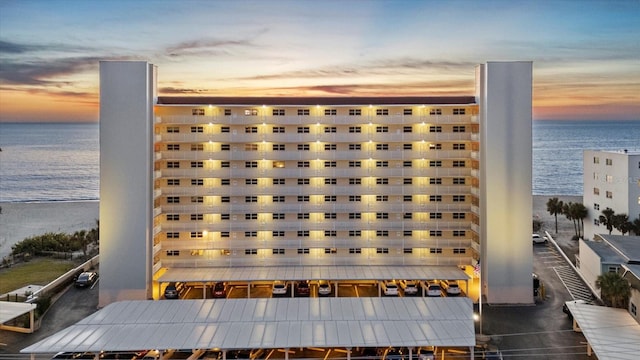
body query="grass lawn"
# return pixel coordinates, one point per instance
(38, 271)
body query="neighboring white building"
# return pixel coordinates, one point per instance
(297, 183)
(611, 180)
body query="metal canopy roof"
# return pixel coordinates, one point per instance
(350, 272)
(612, 333)
(268, 323)
(11, 310)
(312, 101)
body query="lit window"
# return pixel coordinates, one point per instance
(251, 112)
(251, 147)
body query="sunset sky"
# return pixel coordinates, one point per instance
(586, 54)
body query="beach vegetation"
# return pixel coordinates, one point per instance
(56, 244)
(555, 207)
(614, 289)
(576, 212)
(606, 218)
(636, 226)
(39, 271)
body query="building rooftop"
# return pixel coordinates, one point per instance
(608, 254)
(313, 101)
(631, 152)
(627, 246)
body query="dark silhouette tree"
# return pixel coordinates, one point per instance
(636, 226)
(606, 218)
(567, 210)
(554, 207)
(621, 223)
(614, 289)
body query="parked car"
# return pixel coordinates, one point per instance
(279, 288)
(389, 288)
(219, 290)
(302, 288)
(451, 287)
(172, 291)
(410, 287)
(324, 288)
(394, 354)
(86, 279)
(434, 289)
(537, 239)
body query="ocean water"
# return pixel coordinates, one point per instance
(60, 161)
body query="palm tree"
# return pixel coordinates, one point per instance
(580, 212)
(614, 289)
(567, 210)
(606, 218)
(81, 238)
(554, 207)
(636, 226)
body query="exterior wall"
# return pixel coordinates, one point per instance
(126, 96)
(505, 181)
(408, 211)
(590, 264)
(611, 179)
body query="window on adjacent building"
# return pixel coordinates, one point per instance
(251, 129)
(328, 112)
(609, 162)
(330, 129)
(354, 198)
(277, 251)
(407, 181)
(458, 111)
(279, 182)
(355, 250)
(609, 195)
(355, 147)
(328, 164)
(330, 147)
(330, 181)
(382, 112)
(382, 250)
(355, 181)
(435, 128)
(435, 198)
(303, 112)
(303, 129)
(435, 181)
(197, 129)
(251, 112)
(355, 112)
(278, 130)
(251, 181)
(303, 250)
(435, 112)
(435, 250)
(596, 191)
(278, 147)
(382, 129)
(355, 129)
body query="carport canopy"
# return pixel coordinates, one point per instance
(11, 310)
(268, 323)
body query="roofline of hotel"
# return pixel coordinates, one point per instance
(313, 101)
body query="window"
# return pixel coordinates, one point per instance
(277, 112)
(279, 198)
(382, 112)
(435, 250)
(355, 147)
(330, 215)
(224, 234)
(251, 251)
(173, 147)
(303, 147)
(225, 147)
(382, 215)
(382, 129)
(407, 112)
(227, 112)
(173, 199)
(435, 181)
(173, 235)
(278, 164)
(459, 198)
(355, 181)
(435, 215)
(303, 198)
(458, 111)
(459, 250)
(330, 233)
(277, 216)
(596, 206)
(407, 251)
(355, 250)
(251, 147)
(407, 216)
(173, 252)
(459, 128)
(225, 199)
(355, 112)
(328, 164)
(634, 310)
(277, 233)
(330, 198)
(408, 233)
(457, 146)
(596, 160)
(303, 129)
(435, 146)
(278, 130)
(251, 129)
(382, 181)
(435, 112)
(173, 129)
(197, 217)
(279, 182)
(251, 112)
(355, 164)
(407, 181)
(251, 199)
(303, 164)
(329, 147)
(355, 198)
(609, 195)
(303, 181)
(197, 147)
(329, 129)
(435, 129)
(608, 178)
(609, 162)
(435, 198)
(435, 163)
(277, 251)
(197, 129)
(303, 112)
(328, 112)
(173, 182)
(303, 216)
(303, 233)
(596, 191)
(355, 129)
(303, 251)
(407, 163)
(459, 181)
(382, 198)
(330, 181)
(330, 250)
(225, 164)
(382, 250)
(278, 147)
(355, 216)
(407, 146)
(173, 164)
(382, 146)
(225, 216)
(251, 181)
(173, 217)
(251, 164)
(197, 199)
(382, 164)
(407, 198)
(407, 129)
(250, 234)
(458, 163)
(459, 233)
(459, 215)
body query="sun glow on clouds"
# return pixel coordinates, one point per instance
(301, 48)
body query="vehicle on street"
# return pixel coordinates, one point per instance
(172, 291)
(410, 287)
(324, 288)
(451, 287)
(219, 290)
(86, 279)
(434, 289)
(302, 288)
(279, 288)
(537, 239)
(389, 288)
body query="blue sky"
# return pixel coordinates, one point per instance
(586, 54)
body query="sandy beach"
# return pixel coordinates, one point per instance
(21, 220)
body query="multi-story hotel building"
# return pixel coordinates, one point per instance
(611, 180)
(223, 182)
